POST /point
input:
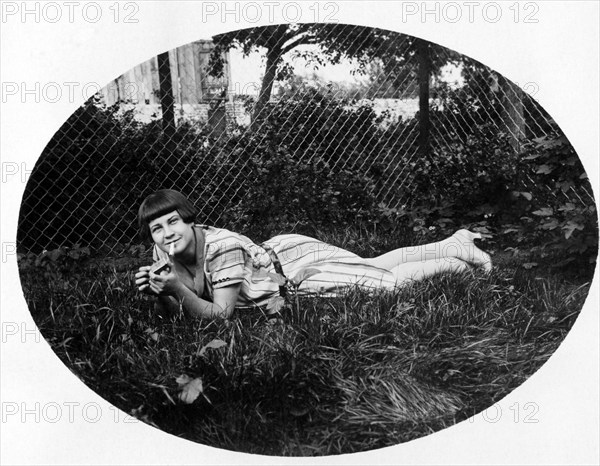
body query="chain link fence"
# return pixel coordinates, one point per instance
(193, 120)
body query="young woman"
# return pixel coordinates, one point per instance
(210, 271)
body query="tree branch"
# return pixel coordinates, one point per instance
(300, 41)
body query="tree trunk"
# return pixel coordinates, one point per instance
(166, 99)
(273, 57)
(424, 74)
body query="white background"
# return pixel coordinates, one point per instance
(559, 54)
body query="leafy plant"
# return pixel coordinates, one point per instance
(114, 160)
(317, 163)
(56, 263)
(292, 183)
(556, 219)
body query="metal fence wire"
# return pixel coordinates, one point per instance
(189, 119)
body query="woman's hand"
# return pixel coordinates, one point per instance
(167, 283)
(142, 280)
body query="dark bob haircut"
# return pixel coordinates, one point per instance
(160, 203)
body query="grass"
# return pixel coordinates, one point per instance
(342, 375)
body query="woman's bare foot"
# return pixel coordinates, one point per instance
(471, 253)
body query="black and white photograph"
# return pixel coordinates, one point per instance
(300, 231)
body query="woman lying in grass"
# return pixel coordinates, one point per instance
(210, 271)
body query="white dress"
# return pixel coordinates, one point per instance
(230, 258)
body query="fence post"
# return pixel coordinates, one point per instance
(514, 119)
(166, 99)
(217, 117)
(424, 59)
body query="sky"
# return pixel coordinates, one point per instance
(246, 72)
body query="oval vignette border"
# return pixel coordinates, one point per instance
(225, 456)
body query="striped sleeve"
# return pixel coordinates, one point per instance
(225, 261)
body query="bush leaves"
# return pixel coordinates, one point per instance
(543, 212)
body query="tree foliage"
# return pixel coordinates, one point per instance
(331, 43)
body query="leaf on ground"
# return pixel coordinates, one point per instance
(190, 388)
(151, 333)
(299, 412)
(183, 379)
(213, 344)
(530, 265)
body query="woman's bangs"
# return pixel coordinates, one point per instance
(157, 209)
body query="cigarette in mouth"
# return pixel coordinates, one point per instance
(171, 249)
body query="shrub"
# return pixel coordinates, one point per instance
(466, 174)
(552, 201)
(92, 175)
(93, 172)
(289, 195)
(315, 164)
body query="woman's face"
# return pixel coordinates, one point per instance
(170, 228)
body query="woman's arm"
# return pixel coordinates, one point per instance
(168, 285)
(224, 300)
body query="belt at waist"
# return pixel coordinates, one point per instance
(278, 268)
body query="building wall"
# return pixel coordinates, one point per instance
(140, 87)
